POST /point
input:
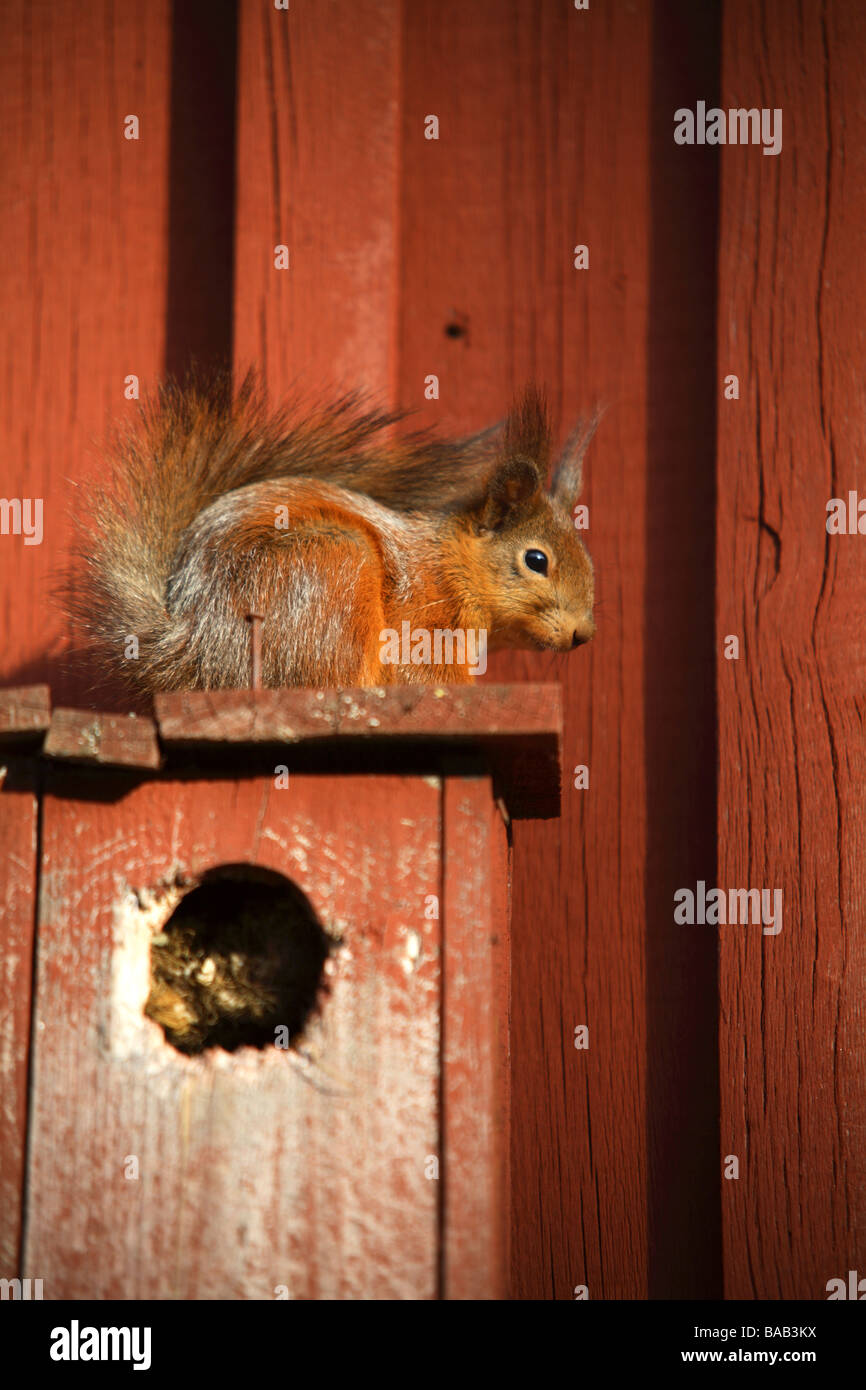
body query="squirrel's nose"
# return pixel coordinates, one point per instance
(582, 633)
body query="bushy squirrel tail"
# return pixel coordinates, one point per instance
(191, 443)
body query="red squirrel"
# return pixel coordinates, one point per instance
(348, 544)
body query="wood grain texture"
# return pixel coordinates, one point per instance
(25, 713)
(109, 739)
(475, 1050)
(257, 1169)
(792, 764)
(214, 716)
(317, 171)
(18, 839)
(514, 732)
(544, 144)
(82, 283)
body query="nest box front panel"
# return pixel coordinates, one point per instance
(298, 1163)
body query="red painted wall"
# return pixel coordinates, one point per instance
(707, 515)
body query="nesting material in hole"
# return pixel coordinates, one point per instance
(241, 957)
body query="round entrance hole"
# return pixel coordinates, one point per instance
(241, 957)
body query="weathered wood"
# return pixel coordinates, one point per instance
(412, 258)
(514, 729)
(792, 758)
(544, 144)
(25, 713)
(83, 281)
(195, 717)
(317, 171)
(18, 824)
(259, 1169)
(475, 1061)
(111, 740)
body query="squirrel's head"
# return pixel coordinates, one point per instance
(537, 590)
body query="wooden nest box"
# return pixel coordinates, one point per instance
(271, 990)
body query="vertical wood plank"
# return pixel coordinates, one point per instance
(200, 233)
(544, 144)
(792, 765)
(317, 172)
(475, 1053)
(18, 831)
(256, 1169)
(82, 283)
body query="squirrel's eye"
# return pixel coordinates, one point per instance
(535, 560)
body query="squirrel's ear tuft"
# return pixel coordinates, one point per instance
(527, 429)
(568, 476)
(512, 491)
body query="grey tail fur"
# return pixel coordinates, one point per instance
(191, 443)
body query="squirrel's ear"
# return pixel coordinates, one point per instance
(568, 477)
(511, 493)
